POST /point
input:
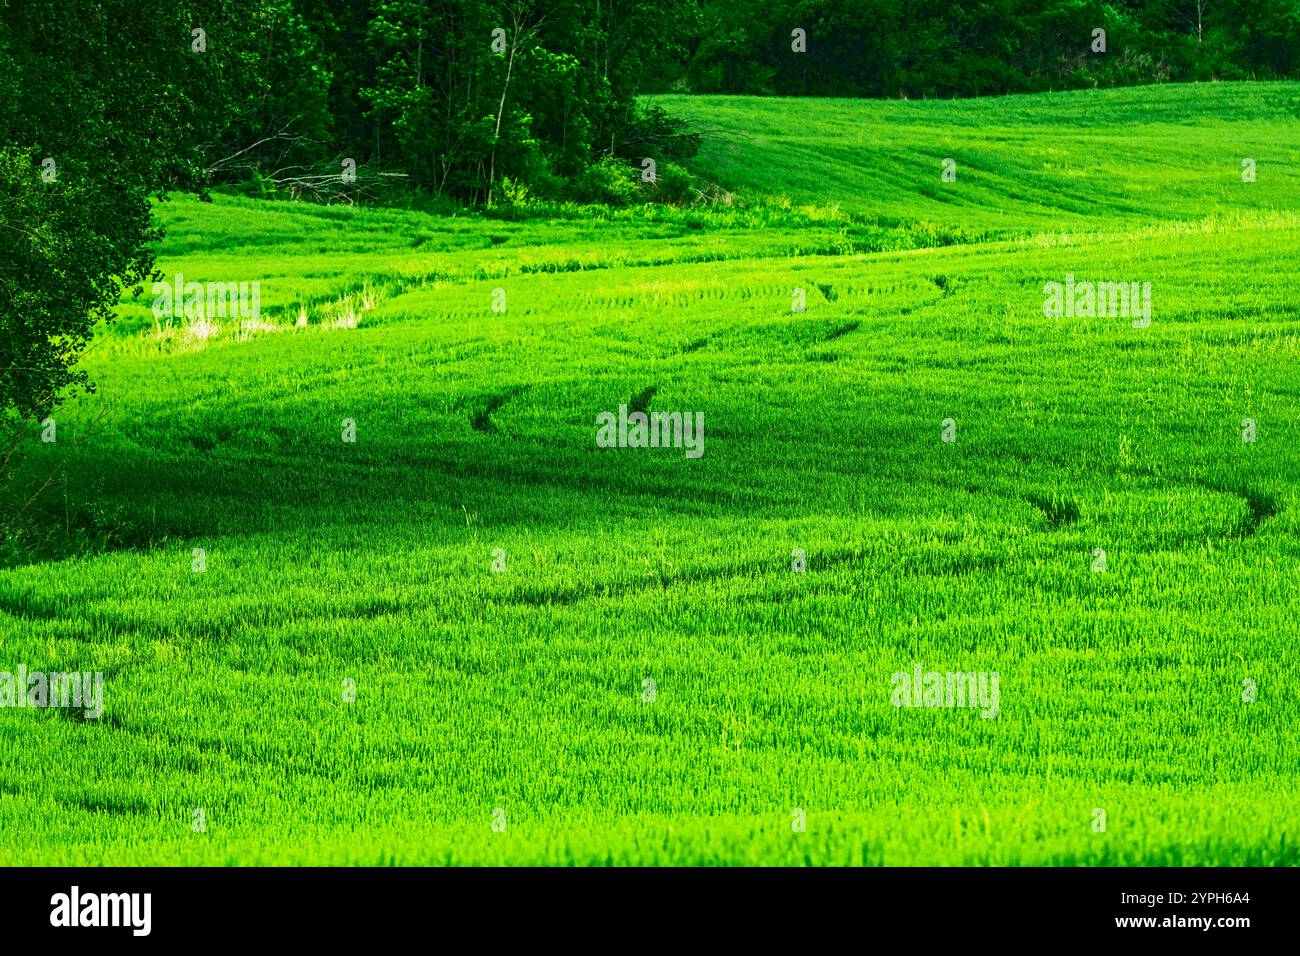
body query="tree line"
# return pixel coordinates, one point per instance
(916, 48)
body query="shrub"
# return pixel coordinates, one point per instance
(610, 180)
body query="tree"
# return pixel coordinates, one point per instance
(96, 121)
(467, 92)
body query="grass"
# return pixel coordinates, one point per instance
(1070, 160)
(370, 562)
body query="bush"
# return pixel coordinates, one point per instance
(673, 184)
(610, 180)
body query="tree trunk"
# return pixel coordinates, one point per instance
(501, 108)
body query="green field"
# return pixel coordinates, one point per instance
(328, 561)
